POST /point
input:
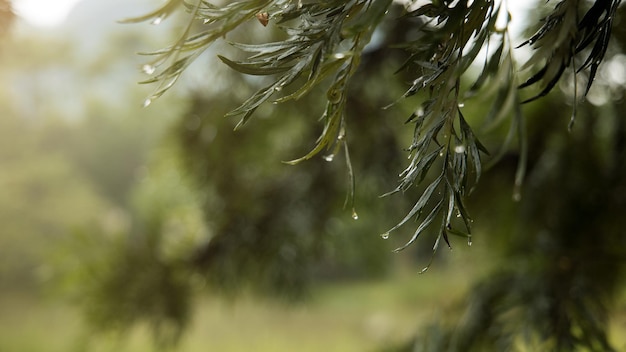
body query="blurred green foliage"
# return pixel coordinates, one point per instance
(136, 213)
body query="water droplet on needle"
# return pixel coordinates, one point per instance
(148, 69)
(158, 20)
(385, 235)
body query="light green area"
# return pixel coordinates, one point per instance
(351, 316)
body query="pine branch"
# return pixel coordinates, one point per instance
(325, 42)
(563, 36)
(451, 41)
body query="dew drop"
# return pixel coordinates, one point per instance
(458, 214)
(278, 88)
(158, 20)
(469, 241)
(385, 235)
(339, 56)
(517, 196)
(329, 157)
(342, 134)
(461, 105)
(147, 102)
(355, 216)
(334, 96)
(459, 149)
(206, 20)
(423, 270)
(148, 69)
(441, 153)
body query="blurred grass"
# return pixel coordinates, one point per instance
(342, 316)
(349, 316)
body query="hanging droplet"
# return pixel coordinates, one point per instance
(158, 20)
(329, 157)
(334, 96)
(147, 102)
(469, 241)
(385, 235)
(459, 149)
(517, 196)
(339, 56)
(342, 134)
(461, 105)
(441, 153)
(423, 270)
(148, 69)
(458, 214)
(355, 216)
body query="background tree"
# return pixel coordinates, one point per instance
(561, 272)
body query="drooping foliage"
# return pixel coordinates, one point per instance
(455, 52)
(444, 40)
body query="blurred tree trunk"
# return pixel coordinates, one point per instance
(6, 16)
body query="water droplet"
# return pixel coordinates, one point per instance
(206, 20)
(147, 102)
(339, 56)
(460, 149)
(469, 241)
(461, 105)
(458, 214)
(423, 270)
(278, 88)
(329, 157)
(148, 69)
(385, 235)
(158, 20)
(334, 96)
(342, 134)
(355, 216)
(517, 196)
(441, 153)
